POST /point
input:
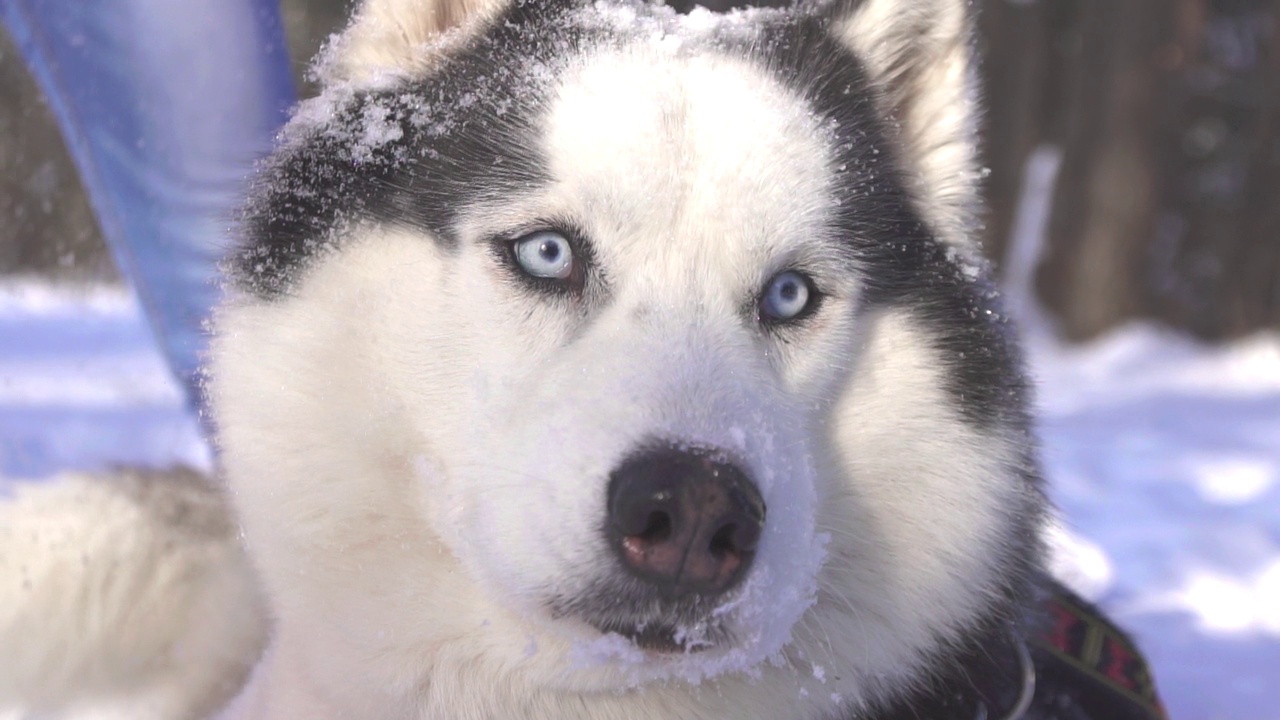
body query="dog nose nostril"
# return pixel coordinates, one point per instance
(684, 521)
(731, 539)
(658, 529)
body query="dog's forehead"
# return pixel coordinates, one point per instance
(700, 144)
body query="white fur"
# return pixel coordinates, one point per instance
(125, 592)
(397, 38)
(418, 452)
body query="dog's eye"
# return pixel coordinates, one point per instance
(545, 254)
(788, 296)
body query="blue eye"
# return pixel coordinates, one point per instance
(787, 296)
(544, 254)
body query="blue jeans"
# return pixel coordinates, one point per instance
(164, 106)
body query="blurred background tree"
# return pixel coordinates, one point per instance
(1165, 113)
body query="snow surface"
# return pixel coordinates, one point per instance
(83, 385)
(1164, 458)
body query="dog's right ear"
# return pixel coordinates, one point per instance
(399, 37)
(919, 56)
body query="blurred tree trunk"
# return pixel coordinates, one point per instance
(1215, 258)
(1167, 204)
(1016, 65)
(1104, 208)
(46, 224)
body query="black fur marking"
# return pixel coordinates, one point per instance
(907, 268)
(905, 265)
(416, 155)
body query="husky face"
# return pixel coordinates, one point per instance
(589, 346)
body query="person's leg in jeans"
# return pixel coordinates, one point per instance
(164, 105)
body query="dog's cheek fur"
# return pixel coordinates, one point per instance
(921, 510)
(322, 464)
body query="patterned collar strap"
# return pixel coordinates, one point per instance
(1083, 651)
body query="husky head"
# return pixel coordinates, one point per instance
(590, 357)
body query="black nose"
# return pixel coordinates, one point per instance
(684, 521)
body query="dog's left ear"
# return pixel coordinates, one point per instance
(400, 36)
(920, 57)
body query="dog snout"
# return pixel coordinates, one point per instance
(684, 521)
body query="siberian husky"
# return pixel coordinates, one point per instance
(603, 361)
(599, 361)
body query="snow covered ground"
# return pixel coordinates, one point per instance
(1164, 457)
(83, 386)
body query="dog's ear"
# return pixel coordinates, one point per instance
(919, 54)
(397, 37)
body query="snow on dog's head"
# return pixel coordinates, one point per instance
(586, 346)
